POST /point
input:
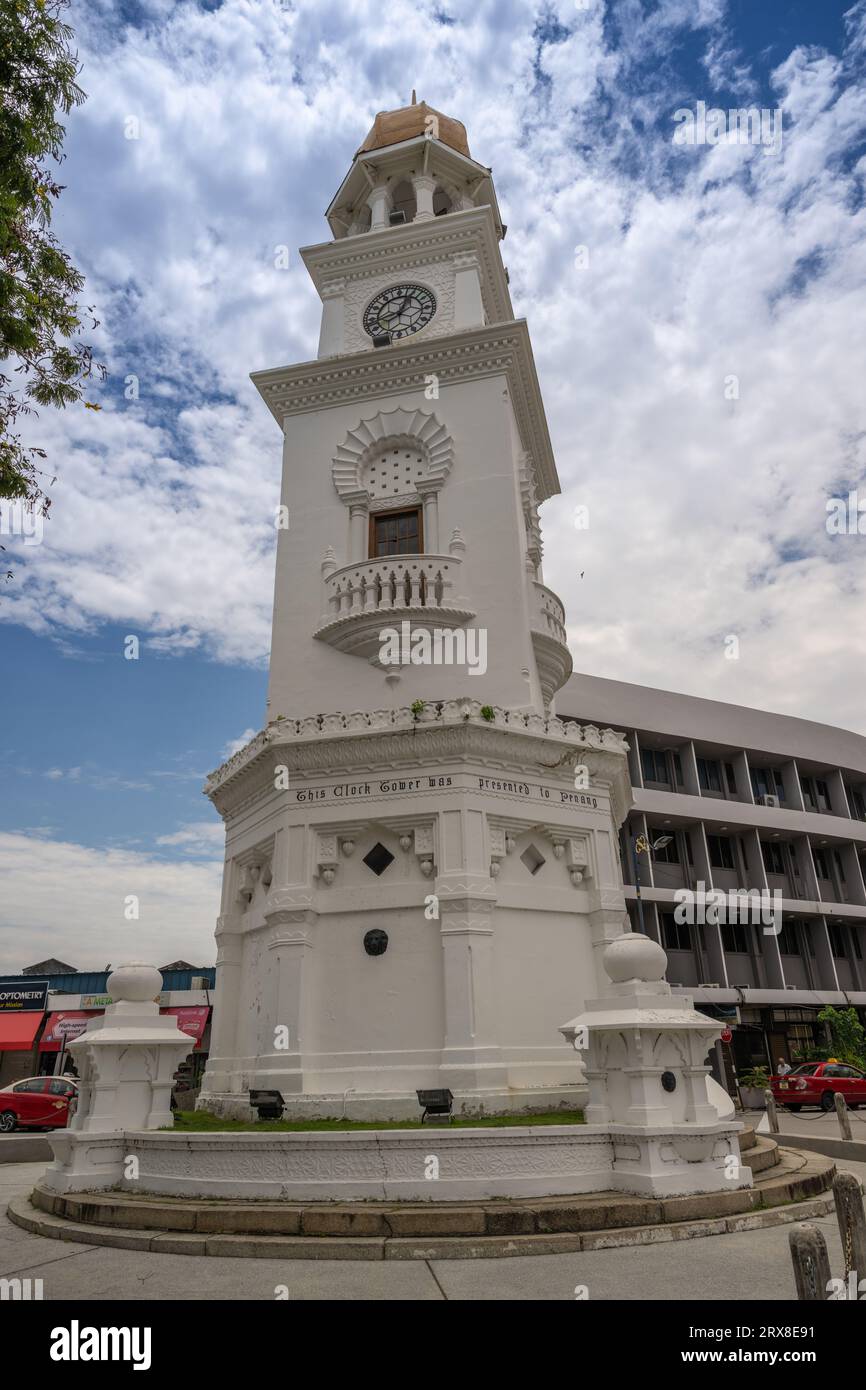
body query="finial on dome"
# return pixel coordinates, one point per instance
(414, 101)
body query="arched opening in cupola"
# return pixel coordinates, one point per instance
(403, 200)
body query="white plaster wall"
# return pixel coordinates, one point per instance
(479, 497)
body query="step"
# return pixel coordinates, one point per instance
(135, 1220)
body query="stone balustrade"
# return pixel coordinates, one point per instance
(396, 582)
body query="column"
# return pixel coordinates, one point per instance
(290, 953)
(471, 1058)
(331, 337)
(358, 524)
(379, 203)
(424, 187)
(223, 1045)
(431, 523)
(468, 304)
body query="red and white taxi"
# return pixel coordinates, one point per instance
(816, 1083)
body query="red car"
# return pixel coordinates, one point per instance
(39, 1102)
(815, 1083)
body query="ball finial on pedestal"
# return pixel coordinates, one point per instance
(135, 983)
(633, 956)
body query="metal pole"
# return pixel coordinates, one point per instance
(636, 868)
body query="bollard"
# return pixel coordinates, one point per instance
(811, 1263)
(842, 1115)
(852, 1224)
(771, 1111)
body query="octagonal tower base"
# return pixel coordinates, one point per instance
(409, 898)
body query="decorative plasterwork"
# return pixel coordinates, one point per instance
(251, 867)
(420, 428)
(554, 663)
(380, 739)
(529, 501)
(496, 349)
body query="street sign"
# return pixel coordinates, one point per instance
(727, 1035)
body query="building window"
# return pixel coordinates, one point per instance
(767, 781)
(688, 843)
(731, 778)
(774, 857)
(667, 854)
(840, 869)
(735, 939)
(655, 768)
(708, 775)
(822, 869)
(678, 769)
(859, 805)
(396, 533)
(675, 935)
(822, 792)
(808, 788)
(837, 940)
(721, 852)
(788, 940)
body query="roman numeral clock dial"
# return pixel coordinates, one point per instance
(399, 310)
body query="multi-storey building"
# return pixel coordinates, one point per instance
(742, 799)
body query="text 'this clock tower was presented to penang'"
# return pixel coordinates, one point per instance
(421, 859)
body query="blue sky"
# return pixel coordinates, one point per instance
(707, 513)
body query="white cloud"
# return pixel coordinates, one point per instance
(196, 837)
(78, 912)
(235, 745)
(707, 515)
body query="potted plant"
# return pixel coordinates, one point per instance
(752, 1085)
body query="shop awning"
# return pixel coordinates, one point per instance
(191, 1018)
(17, 1030)
(62, 1027)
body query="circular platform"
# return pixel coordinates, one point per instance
(789, 1186)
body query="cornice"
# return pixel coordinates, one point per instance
(332, 743)
(495, 349)
(399, 249)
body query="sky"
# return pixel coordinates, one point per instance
(698, 317)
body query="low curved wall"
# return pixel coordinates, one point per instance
(434, 1164)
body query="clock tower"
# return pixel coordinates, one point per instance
(421, 859)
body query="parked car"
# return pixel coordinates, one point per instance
(815, 1083)
(38, 1102)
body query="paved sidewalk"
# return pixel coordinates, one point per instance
(752, 1265)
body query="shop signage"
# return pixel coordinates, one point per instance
(23, 996)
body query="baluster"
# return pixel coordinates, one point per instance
(414, 585)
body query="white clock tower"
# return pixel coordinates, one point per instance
(421, 859)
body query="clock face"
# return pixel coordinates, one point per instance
(399, 310)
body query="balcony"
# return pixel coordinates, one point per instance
(363, 598)
(549, 639)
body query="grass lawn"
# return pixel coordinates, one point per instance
(201, 1121)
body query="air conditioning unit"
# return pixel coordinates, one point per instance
(769, 801)
(199, 982)
(381, 340)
